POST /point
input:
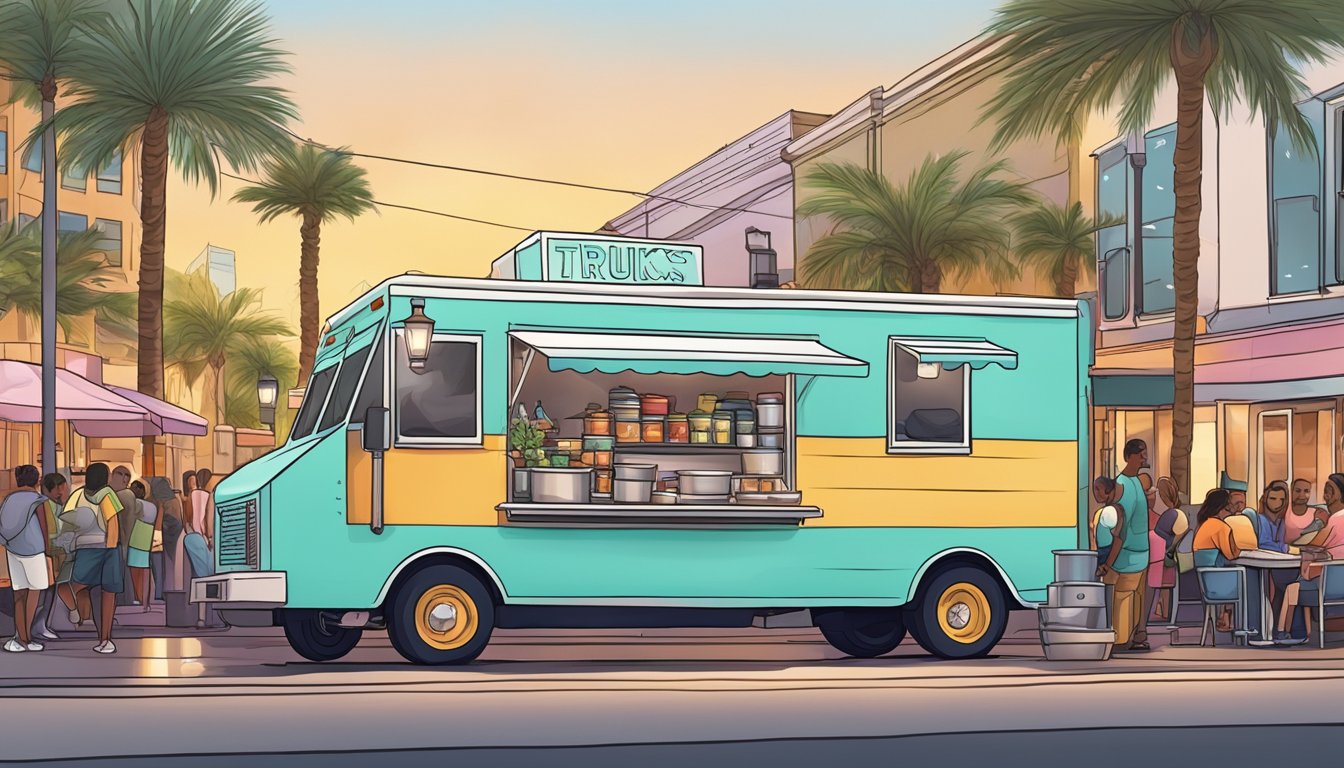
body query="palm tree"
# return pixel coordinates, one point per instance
(204, 328)
(318, 186)
(909, 237)
(250, 361)
(182, 80)
(83, 279)
(1218, 51)
(1057, 241)
(38, 45)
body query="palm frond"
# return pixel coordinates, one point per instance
(304, 178)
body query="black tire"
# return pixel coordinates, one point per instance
(967, 634)
(315, 636)
(863, 633)
(409, 624)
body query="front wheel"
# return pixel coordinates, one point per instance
(316, 636)
(441, 615)
(961, 613)
(864, 634)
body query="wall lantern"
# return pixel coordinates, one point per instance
(419, 328)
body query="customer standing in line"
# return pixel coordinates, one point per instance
(23, 533)
(99, 563)
(57, 489)
(120, 483)
(203, 508)
(1127, 564)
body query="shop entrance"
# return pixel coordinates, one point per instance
(1295, 442)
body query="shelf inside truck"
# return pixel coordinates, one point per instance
(658, 514)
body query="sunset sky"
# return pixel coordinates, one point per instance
(620, 94)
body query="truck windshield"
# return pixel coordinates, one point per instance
(313, 399)
(346, 382)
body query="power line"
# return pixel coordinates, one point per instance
(533, 179)
(382, 204)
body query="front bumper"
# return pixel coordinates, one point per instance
(244, 589)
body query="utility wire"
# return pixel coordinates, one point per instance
(382, 204)
(534, 179)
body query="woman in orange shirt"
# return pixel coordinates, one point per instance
(1215, 544)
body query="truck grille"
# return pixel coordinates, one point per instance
(237, 541)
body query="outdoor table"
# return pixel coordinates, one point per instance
(1255, 561)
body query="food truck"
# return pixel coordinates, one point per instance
(591, 438)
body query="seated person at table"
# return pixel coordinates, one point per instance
(1328, 545)
(1214, 543)
(1272, 529)
(1301, 514)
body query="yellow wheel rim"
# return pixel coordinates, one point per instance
(963, 612)
(446, 617)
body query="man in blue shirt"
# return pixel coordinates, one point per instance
(1126, 566)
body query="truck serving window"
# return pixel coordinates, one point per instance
(928, 409)
(440, 404)
(313, 399)
(346, 381)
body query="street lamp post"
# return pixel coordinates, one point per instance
(763, 260)
(268, 391)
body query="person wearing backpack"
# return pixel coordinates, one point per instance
(23, 532)
(98, 561)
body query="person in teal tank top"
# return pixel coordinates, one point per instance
(1127, 564)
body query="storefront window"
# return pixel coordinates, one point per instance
(1295, 210)
(1236, 440)
(441, 403)
(1305, 435)
(1113, 242)
(928, 405)
(1275, 454)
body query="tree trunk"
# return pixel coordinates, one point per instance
(311, 233)
(1066, 284)
(49, 307)
(1191, 67)
(149, 311)
(1074, 147)
(930, 277)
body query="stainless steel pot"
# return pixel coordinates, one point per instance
(763, 461)
(625, 491)
(636, 471)
(1076, 594)
(1075, 565)
(550, 485)
(704, 482)
(1074, 618)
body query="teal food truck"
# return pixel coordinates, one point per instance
(592, 438)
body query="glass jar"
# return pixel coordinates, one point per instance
(652, 429)
(597, 423)
(627, 431)
(678, 428)
(707, 402)
(723, 428)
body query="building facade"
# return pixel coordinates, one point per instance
(219, 264)
(747, 184)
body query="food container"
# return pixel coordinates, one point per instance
(597, 442)
(757, 484)
(723, 428)
(736, 394)
(707, 402)
(770, 410)
(678, 428)
(667, 481)
(596, 458)
(746, 440)
(622, 396)
(560, 460)
(654, 405)
(702, 424)
(745, 423)
(602, 482)
(1076, 594)
(775, 498)
(663, 497)
(694, 498)
(1075, 565)
(704, 482)
(627, 431)
(597, 423)
(568, 445)
(763, 461)
(647, 472)
(766, 439)
(1075, 618)
(555, 485)
(624, 491)
(1062, 644)
(652, 429)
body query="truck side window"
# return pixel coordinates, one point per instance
(346, 381)
(928, 406)
(313, 398)
(371, 393)
(440, 404)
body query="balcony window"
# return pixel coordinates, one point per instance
(1113, 241)
(110, 242)
(75, 179)
(68, 222)
(1157, 292)
(1295, 210)
(109, 176)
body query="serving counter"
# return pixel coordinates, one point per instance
(627, 515)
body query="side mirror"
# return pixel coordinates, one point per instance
(377, 429)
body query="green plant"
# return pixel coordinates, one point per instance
(85, 282)
(526, 438)
(1057, 241)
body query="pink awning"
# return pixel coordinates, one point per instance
(94, 410)
(170, 419)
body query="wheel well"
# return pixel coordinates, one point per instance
(973, 559)
(444, 558)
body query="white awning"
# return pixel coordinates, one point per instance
(725, 355)
(956, 352)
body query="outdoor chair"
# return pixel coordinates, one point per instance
(1330, 591)
(1219, 587)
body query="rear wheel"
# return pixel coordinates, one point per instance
(961, 613)
(316, 636)
(863, 633)
(442, 614)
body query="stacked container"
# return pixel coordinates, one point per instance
(770, 419)
(1075, 622)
